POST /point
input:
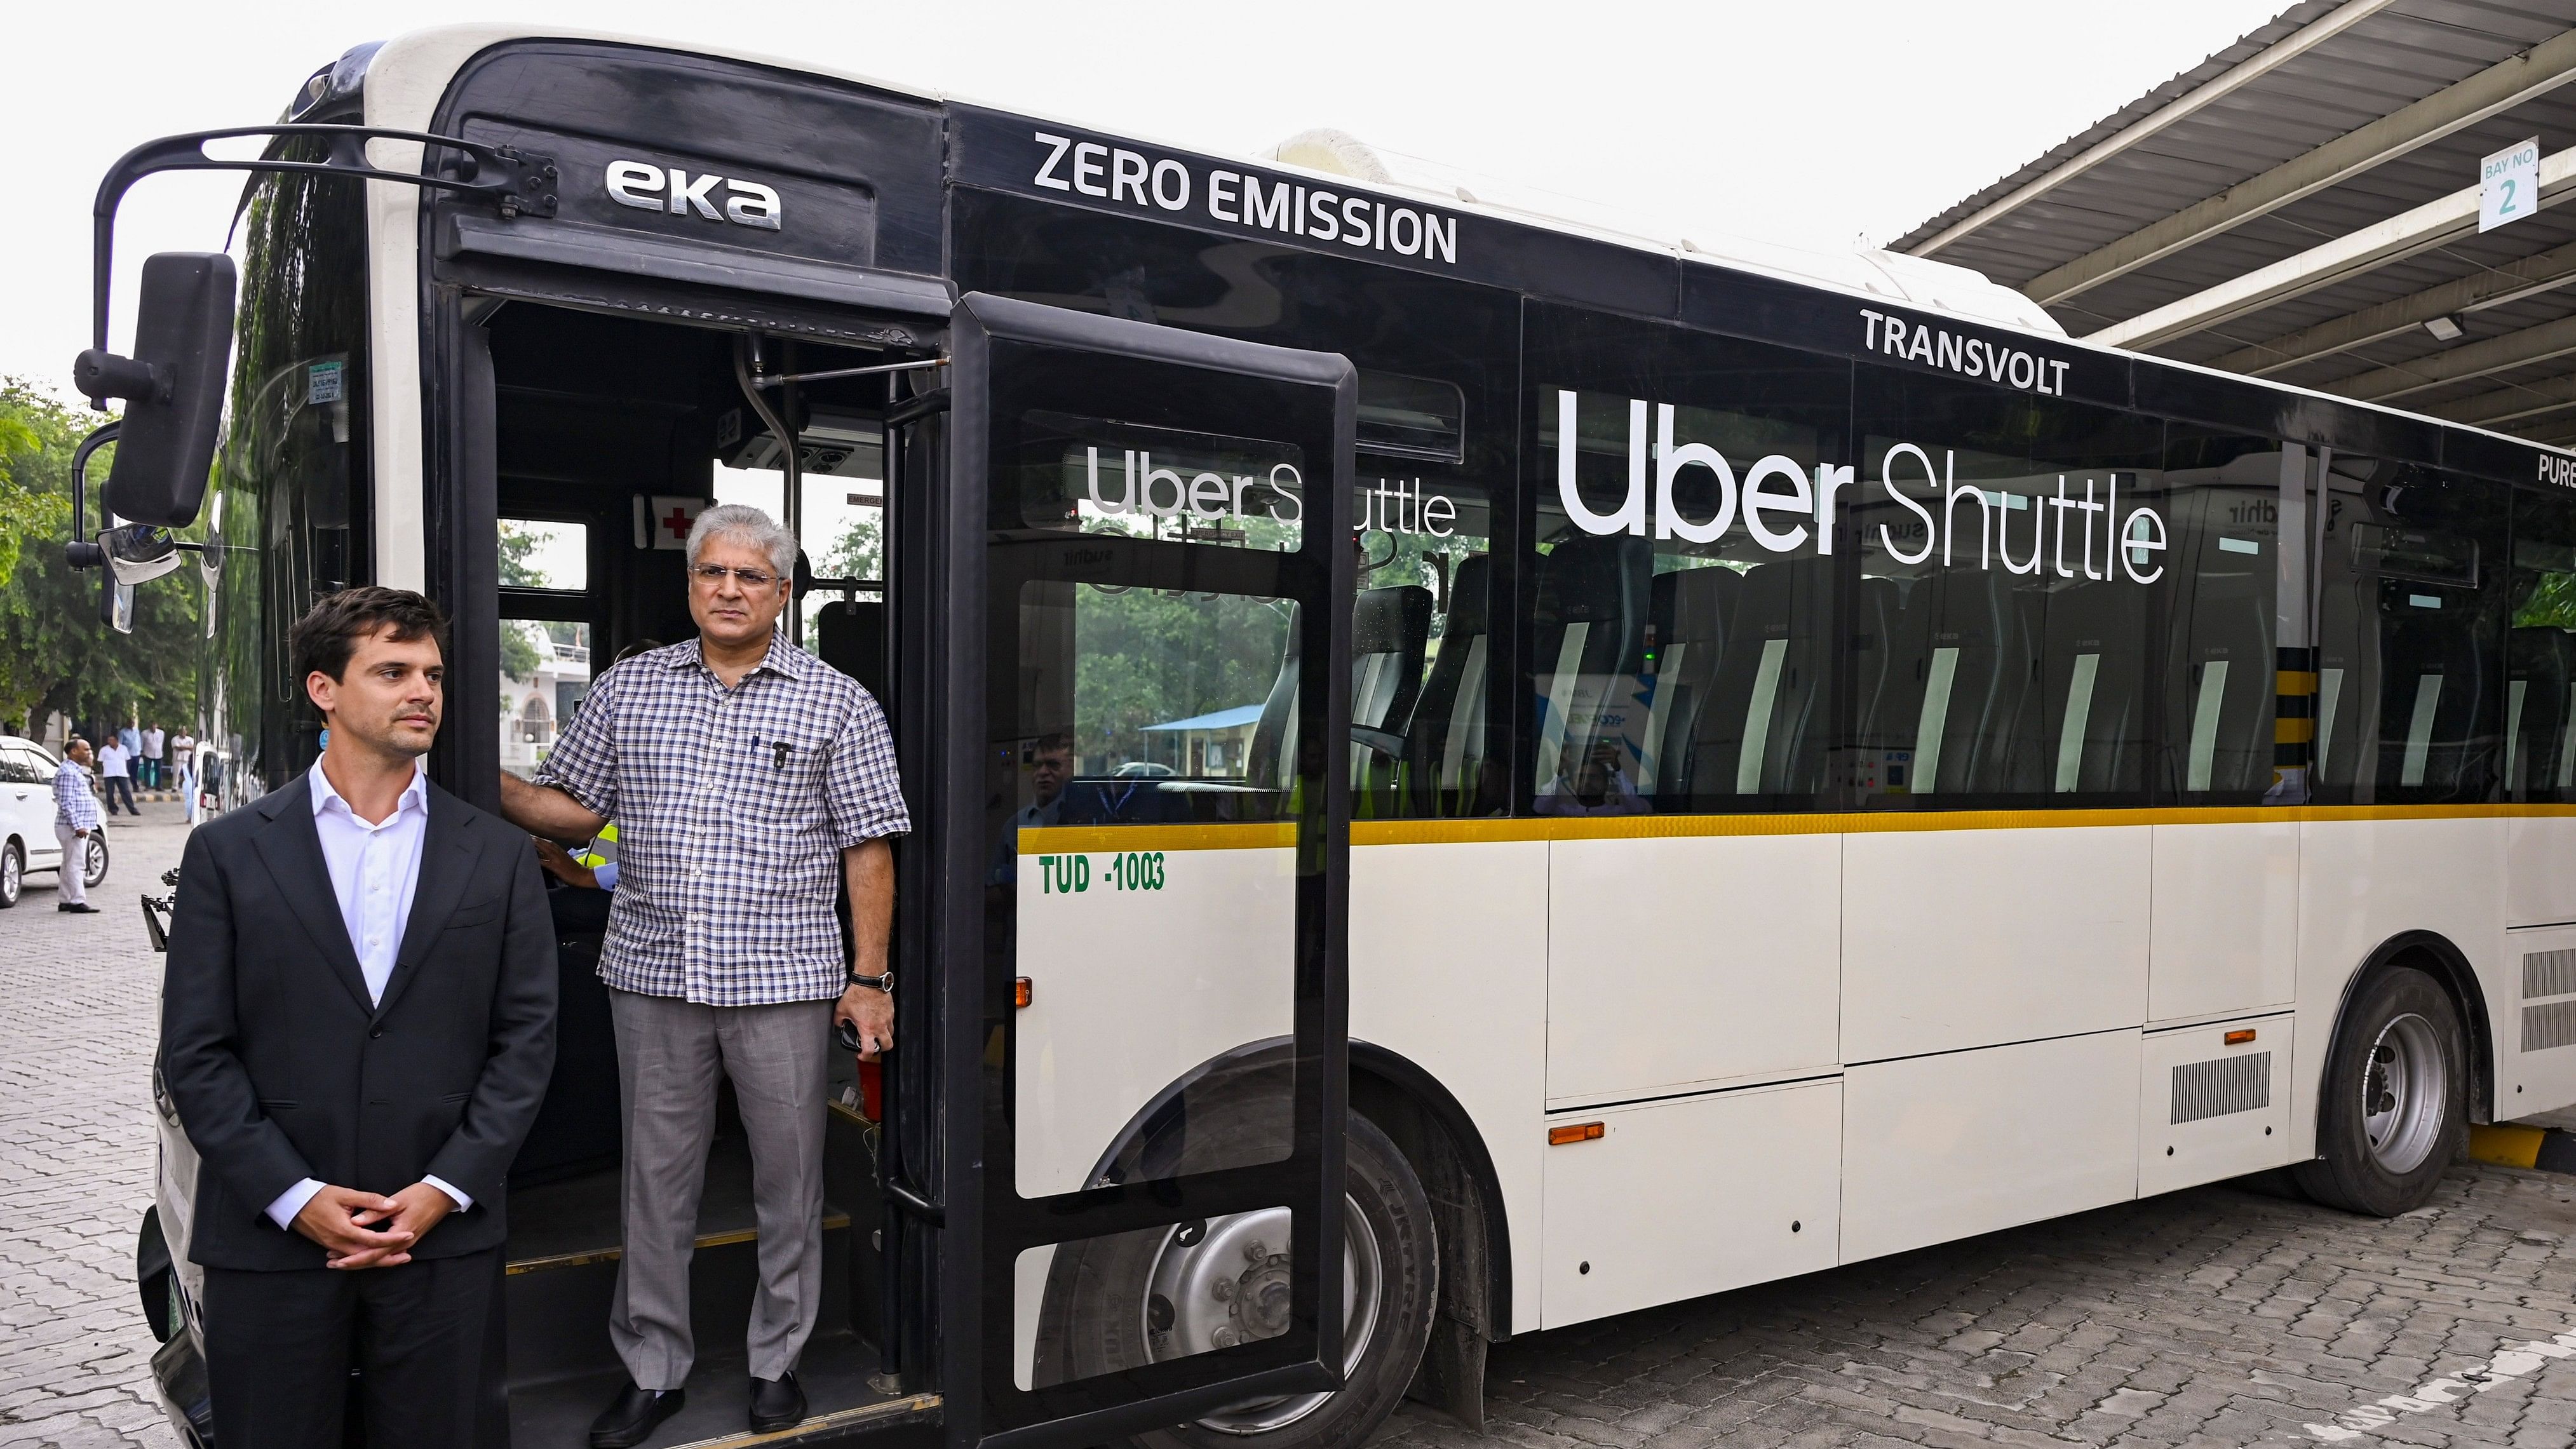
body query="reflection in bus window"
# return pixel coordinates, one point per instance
(2221, 504)
(2410, 618)
(2540, 653)
(288, 516)
(1171, 705)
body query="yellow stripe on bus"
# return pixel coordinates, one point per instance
(1082, 839)
(1077, 839)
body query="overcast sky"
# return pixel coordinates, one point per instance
(1811, 121)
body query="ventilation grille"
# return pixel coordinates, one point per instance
(2549, 1026)
(2227, 1085)
(2549, 973)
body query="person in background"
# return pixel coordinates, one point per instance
(183, 762)
(75, 816)
(154, 742)
(115, 762)
(129, 738)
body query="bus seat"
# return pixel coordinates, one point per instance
(1589, 628)
(2090, 734)
(1390, 637)
(1956, 672)
(1447, 738)
(1887, 678)
(2348, 661)
(2220, 738)
(2430, 702)
(1762, 730)
(2540, 672)
(1266, 760)
(1688, 609)
(849, 635)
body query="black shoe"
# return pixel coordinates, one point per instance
(77, 910)
(632, 1416)
(776, 1403)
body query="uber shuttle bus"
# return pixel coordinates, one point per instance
(1472, 771)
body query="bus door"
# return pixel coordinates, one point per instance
(1138, 846)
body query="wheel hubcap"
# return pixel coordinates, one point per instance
(1226, 1281)
(2405, 1094)
(9, 877)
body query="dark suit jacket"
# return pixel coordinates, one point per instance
(280, 1067)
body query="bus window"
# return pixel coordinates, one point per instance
(1679, 655)
(289, 514)
(545, 653)
(1438, 364)
(2540, 652)
(2000, 650)
(2220, 504)
(2411, 616)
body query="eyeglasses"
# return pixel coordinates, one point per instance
(713, 576)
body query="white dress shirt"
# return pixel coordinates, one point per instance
(374, 870)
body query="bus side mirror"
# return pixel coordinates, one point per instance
(173, 387)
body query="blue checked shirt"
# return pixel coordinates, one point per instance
(74, 805)
(732, 809)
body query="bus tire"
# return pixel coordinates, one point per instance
(1101, 1293)
(2395, 1110)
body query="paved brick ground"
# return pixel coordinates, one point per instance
(77, 997)
(2222, 1316)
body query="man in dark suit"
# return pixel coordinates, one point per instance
(357, 1025)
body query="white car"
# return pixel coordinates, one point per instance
(27, 820)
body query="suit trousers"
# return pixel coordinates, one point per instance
(426, 1337)
(669, 1052)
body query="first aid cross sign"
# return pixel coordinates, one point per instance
(2509, 185)
(664, 522)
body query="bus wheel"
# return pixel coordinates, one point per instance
(2396, 1099)
(1118, 1302)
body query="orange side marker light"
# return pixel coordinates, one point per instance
(1579, 1132)
(1023, 991)
(2240, 1037)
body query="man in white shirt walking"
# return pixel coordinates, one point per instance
(154, 740)
(357, 1028)
(114, 761)
(75, 816)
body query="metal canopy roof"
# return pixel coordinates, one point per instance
(2300, 206)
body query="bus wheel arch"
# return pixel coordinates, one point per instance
(2391, 1109)
(1427, 1122)
(1409, 1110)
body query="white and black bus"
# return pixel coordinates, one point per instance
(1805, 760)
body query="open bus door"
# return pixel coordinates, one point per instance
(1101, 1279)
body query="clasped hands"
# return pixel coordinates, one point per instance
(369, 1230)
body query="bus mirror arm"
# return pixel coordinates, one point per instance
(516, 183)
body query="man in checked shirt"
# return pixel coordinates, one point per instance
(741, 773)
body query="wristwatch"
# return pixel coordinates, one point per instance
(883, 982)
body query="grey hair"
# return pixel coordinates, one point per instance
(745, 524)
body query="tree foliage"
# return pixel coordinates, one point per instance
(518, 652)
(54, 652)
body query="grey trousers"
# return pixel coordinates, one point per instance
(668, 1054)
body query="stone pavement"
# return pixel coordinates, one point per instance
(2222, 1316)
(77, 1001)
(2225, 1315)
